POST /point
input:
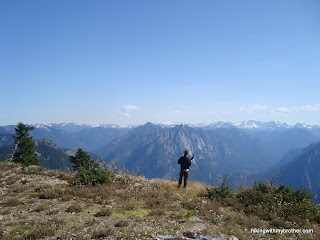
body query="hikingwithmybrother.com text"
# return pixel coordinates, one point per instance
(280, 230)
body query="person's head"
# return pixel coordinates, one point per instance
(186, 152)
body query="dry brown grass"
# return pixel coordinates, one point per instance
(33, 170)
(20, 189)
(12, 180)
(40, 187)
(53, 212)
(39, 232)
(156, 204)
(74, 208)
(5, 166)
(212, 206)
(157, 212)
(11, 202)
(69, 177)
(52, 194)
(66, 176)
(102, 232)
(1, 232)
(56, 192)
(190, 204)
(105, 212)
(192, 191)
(122, 223)
(4, 211)
(41, 208)
(98, 192)
(129, 205)
(50, 173)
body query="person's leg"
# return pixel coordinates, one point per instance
(186, 177)
(180, 179)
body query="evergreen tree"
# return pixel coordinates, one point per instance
(25, 152)
(89, 172)
(0, 159)
(81, 159)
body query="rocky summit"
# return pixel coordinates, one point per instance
(37, 203)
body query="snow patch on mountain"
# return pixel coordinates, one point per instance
(41, 126)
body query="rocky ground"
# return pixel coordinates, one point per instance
(42, 204)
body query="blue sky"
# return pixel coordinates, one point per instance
(130, 62)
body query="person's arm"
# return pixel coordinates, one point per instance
(191, 160)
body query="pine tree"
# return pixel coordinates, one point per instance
(25, 152)
(81, 159)
(89, 172)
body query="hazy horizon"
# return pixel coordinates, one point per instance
(156, 123)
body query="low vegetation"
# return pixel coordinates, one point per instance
(284, 204)
(221, 192)
(88, 172)
(36, 203)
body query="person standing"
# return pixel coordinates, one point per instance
(185, 163)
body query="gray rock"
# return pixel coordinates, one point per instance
(195, 219)
(198, 227)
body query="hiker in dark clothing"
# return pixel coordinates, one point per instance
(185, 163)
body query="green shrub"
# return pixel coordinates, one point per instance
(88, 172)
(290, 196)
(220, 192)
(93, 175)
(263, 187)
(269, 203)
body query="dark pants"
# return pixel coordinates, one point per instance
(185, 174)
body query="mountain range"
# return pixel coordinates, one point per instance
(50, 155)
(237, 149)
(301, 168)
(70, 135)
(155, 151)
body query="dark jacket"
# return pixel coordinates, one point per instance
(185, 162)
